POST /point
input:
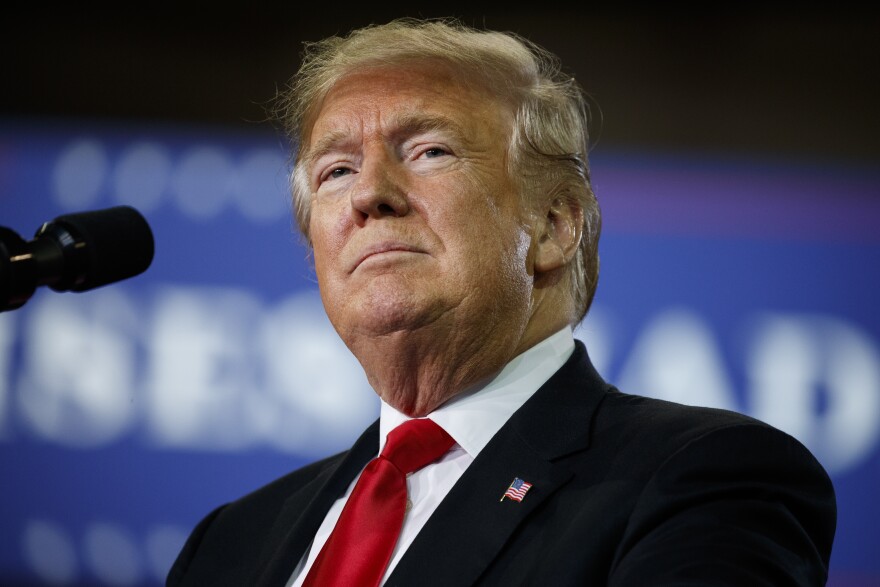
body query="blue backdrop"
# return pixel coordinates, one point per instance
(129, 412)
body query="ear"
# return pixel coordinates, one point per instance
(559, 235)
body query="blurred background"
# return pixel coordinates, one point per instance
(735, 158)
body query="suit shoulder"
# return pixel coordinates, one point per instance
(722, 475)
(258, 508)
(230, 539)
(650, 434)
(679, 423)
(280, 489)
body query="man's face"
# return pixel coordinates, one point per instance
(414, 220)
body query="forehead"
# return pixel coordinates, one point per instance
(383, 100)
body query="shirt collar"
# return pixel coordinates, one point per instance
(473, 418)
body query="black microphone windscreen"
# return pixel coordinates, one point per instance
(118, 244)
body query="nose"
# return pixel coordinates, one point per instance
(380, 190)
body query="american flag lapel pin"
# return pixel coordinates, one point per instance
(517, 490)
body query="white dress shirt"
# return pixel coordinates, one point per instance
(472, 419)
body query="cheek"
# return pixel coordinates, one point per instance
(486, 244)
(328, 229)
(504, 241)
(468, 210)
(323, 256)
(520, 267)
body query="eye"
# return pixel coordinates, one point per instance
(336, 173)
(434, 152)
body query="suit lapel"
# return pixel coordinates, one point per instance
(304, 511)
(471, 525)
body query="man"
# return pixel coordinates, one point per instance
(442, 182)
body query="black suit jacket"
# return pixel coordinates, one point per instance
(626, 491)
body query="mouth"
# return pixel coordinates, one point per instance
(384, 249)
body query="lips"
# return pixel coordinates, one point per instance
(384, 247)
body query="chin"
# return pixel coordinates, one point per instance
(386, 312)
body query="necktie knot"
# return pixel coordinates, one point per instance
(416, 443)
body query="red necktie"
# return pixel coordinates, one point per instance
(360, 546)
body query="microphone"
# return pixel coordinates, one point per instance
(74, 252)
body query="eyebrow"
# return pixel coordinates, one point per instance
(329, 142)
(404, 125)
(414, 123)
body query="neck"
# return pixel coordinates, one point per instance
(417, 371)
